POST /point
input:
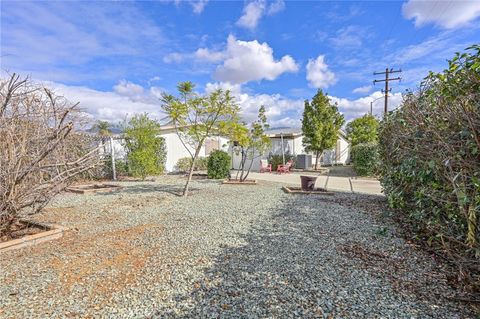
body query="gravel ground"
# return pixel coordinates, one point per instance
(226, 251)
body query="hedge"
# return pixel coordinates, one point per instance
(430, 163)
(365, 158)
(218, 165)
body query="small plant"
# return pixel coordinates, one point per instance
(218, 165)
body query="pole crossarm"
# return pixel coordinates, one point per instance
(387, 79)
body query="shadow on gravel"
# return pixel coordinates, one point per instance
(301, 263)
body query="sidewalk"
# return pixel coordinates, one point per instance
(333, 183)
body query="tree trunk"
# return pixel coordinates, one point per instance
(249, 169)
(244, 159)
(192, 166)
(316, 159)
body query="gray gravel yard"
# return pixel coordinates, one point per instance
(226, 251)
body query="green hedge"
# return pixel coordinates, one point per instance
(218, 165)
(430, 163)
(365, 158)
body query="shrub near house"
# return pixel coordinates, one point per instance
(218, 165)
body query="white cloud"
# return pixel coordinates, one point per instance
(173, 57)
(255, 10)
(58, 39)
(351, 36)
(111, 106)
(198, 6)
(204, 54)
(363, 89)
(275, 7)
(355, 108)
(251, 61)
(252, 13)
(446, 14)
(318, 74)
(129, 89)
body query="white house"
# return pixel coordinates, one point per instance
(176, 150)
(289, 141)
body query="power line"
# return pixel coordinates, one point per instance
(387, 80)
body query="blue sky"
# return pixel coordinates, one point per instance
(116, 58)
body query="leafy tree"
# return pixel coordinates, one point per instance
(103, 129)
(363, 130)
(146, 150)
(320, 124)
(197, 117)
(252, 143)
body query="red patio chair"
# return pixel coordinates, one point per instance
(265, 167)
(285, 168)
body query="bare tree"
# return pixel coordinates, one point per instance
(40, 153)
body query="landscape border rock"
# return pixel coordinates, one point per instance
(93, 188)
(53, 231)
(238, 182)
(299, 190)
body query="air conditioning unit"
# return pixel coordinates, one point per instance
(304, 161)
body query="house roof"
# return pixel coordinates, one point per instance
(294, 132)
(285, 131)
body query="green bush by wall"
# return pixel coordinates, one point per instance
(365, 158)
(218, 165)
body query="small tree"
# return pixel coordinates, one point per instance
(320, 125)
(363, 130)
(197, 117)
(146, 150)
(252, 143)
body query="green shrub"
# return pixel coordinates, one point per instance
(146, 151)
(276, 160)
(218, 165)
(430, 167)
(365, 158)
(183, 164)
(201, 163)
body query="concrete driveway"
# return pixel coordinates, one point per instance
(333, 183)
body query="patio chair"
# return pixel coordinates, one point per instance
(265, 167)
(285, 168)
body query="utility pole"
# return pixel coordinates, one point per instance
(386, 80)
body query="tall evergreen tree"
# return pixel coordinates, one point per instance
(320, 125)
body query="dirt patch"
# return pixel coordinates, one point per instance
(108, 261)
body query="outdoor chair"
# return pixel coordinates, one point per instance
(265, 167)
(285, 168)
